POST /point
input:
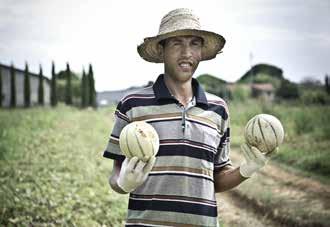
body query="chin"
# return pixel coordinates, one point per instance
(184, 77)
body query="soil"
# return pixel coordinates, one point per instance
(295, 200)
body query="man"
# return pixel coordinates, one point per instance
(177, 188)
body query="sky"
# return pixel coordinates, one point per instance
(293, 35)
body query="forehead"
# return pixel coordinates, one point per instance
(184, 38)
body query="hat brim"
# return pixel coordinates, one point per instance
(212, 45)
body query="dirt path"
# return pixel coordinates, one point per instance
(234, 212)
(275, 197)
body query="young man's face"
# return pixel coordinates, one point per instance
(182, 55)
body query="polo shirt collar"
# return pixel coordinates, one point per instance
(162, 92)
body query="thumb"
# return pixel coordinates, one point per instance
(257, 153)
(149, 165)
(131, 163)
(272, 153)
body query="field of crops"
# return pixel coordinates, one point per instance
(307, 134)
(52, 171)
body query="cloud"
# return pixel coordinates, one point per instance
(106, 33)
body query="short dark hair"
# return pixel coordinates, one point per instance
(163, 42)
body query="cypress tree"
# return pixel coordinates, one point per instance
(68, 93)
(53, 88)
(327, 84)
(84, 90)
(27, 87)
(41, 88)
(12, 86)
(92, 93)
(1, 97)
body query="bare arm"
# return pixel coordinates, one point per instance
(114, 177)
(227, 178)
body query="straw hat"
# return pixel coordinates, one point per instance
(181, 22)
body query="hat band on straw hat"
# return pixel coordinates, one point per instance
(180, 22)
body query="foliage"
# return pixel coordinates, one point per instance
(91, 83)
(327, 83)
(214, 85)
(306, 144)
(310, 83)
(12, 87)
(52, 172)
(76, 91)
(315, 96)
(61, 87)
(287, 90)
(27, 87)
(209, 80)
(41, 96)
(84, 90)
(1, 95)
(62, 75)
(262, 69)
(68, 91)
(53, 87)
(240, 93)
(266, 78)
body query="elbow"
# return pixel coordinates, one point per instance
(219, 188)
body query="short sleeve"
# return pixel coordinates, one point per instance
(112, 150)
(222, 156)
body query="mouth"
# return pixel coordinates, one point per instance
(186, 65)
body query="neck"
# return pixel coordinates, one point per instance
(182, 91)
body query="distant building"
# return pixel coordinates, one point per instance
(107, 98)
(34, 83)
(265, 91)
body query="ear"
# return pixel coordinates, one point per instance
(160, 50)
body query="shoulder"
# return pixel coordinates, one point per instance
(141, 93)
(217, 104)
(137, 97)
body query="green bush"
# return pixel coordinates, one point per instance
(240, 93)
(307, 132)
(304, 122)
(315, 97)
(287, 90)
(76, 91)
(266, 78)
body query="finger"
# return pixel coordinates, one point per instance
(125, 162)
(149, 165)
(255, 152)
(246, 156)
(247, 152)
(139, 166)
(132, 163)
(258, 154)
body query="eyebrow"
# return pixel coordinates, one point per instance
(193, 39)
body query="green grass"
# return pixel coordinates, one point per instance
(52, 172)
(306, 145)
(51, 168)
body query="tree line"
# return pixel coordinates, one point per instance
(65, 86)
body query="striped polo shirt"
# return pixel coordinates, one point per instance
(194, 144)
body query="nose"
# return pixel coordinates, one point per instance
(186, 51)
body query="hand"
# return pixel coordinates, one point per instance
(133, 173)
(254, 160)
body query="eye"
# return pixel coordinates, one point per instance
(196, 43)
